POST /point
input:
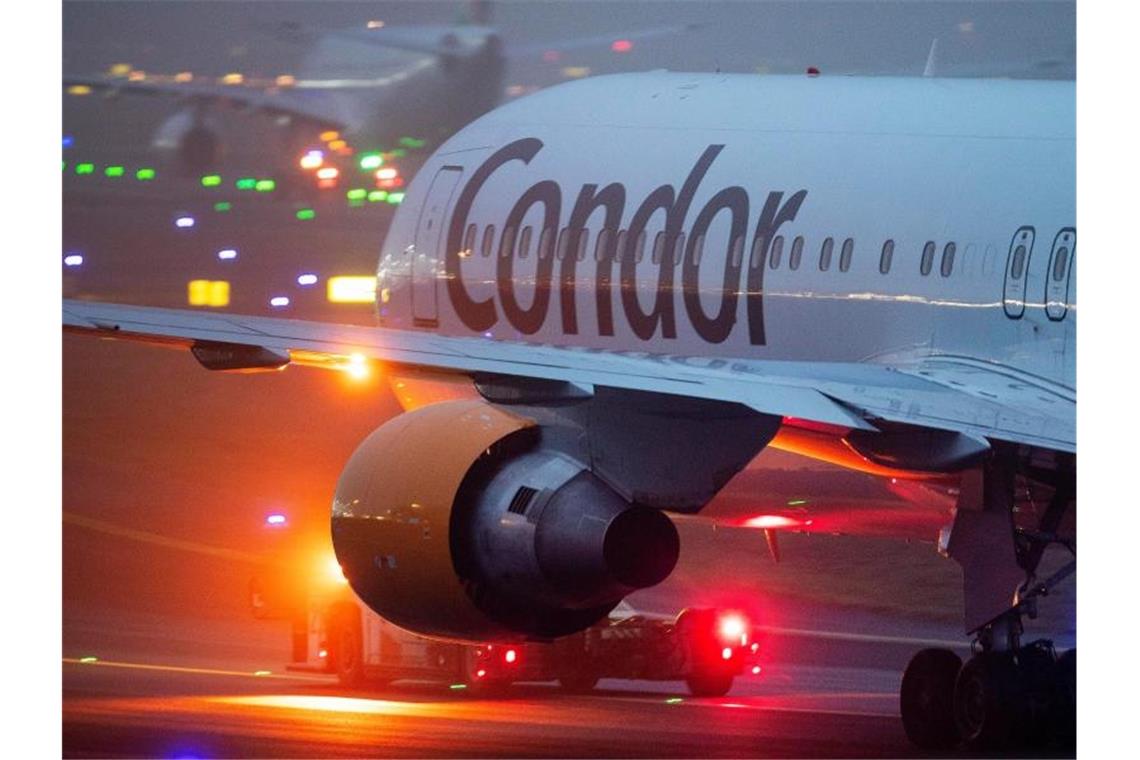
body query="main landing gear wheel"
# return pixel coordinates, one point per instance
(927, 699)
(983, 696)
(709, 683)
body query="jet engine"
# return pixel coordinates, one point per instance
(456, 520)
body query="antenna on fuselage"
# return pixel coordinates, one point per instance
(931, 59)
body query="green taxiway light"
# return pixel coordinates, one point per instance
(265, 186)
(89, 659)
(85, 168)
(357, 194)
(412, 142)
(457, 686)
(306, 213)
(395, 198)
(378, 195)
(211, 180)
(371, 161)
(246, 183)
(399, 153)
(355, 203)
(223, 206)
(114, 171)
(144, 174)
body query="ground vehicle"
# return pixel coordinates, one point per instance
(334, 632)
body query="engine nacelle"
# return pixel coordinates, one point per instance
(454, 520)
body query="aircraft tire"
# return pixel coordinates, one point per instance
(927, 699)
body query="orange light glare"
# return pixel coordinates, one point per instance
(136, 76)
(337, 144)
(323, 653)
(329, 135)
(78, 89)
(335, 571)
(233, 78)
(184, 76)
(286, 80)
(357, 367)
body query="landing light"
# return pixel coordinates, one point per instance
(770, 521)
(73, 260)
(352, 289)
(357, 366)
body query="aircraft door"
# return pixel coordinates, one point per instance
(430, 238)
(1060, 270)
(1017, 272)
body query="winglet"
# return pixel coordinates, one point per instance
(931, 59)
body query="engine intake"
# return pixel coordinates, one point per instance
(455, 521)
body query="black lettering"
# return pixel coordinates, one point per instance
(676, 209)
(612, 198)
(528, 321)
(477, 315)
(717, 328)
(770, 220)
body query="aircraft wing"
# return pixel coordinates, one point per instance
(302, 105)
(945, 394)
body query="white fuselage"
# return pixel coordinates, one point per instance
(987, 166)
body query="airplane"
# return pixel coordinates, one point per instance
(599, 302)
(370, 93)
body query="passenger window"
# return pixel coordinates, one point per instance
(524, 241)
(658, 247)
(563, 243)
(948, 259)
(601, 246)
(1017, 266)
(507, 243)
(796, 254)
(886, 256)
(679, 248)
(698, 250)
(639, 248)
(583, 243)
(545, 242)
(622, 245)
(488, 240)
(469, 241)
(927, 258)
(1059, 264)
(776, 252)
(755, 260)
(825, 254)
(845, 254)
(737, 249)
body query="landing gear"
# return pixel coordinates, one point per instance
(1007, 695)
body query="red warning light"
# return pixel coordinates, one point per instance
(552, 56)
(812, 71)
(621, 46)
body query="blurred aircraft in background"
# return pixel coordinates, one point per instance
(361, 97)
